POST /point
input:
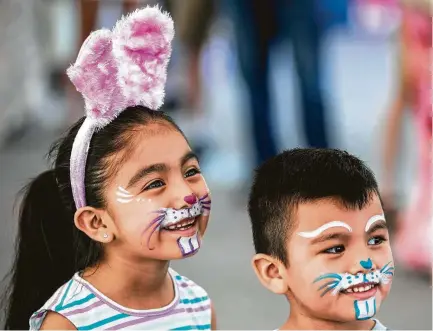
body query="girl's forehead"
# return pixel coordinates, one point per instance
(157, 146)
(162, 148)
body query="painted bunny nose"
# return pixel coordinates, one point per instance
(190, 199)
(368, 264)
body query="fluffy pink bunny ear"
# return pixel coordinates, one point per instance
(94, 75)
(115, 70)
(142, 49)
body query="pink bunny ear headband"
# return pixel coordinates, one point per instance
(115, 70)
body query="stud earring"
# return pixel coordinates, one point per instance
(105, 235)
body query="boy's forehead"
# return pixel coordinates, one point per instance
(312, 215)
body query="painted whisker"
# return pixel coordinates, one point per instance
(385, 266)
(328, 284)
(203, 197)
(156, 223)
(326, 276)
(328, 289)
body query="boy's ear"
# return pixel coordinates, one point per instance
(270, 272)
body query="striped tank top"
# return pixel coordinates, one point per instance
(88, 309)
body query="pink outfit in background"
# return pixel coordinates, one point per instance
(413, 241)
(414, 236)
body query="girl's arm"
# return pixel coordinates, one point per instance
(213, 318)
(54, 321)
(393, 121)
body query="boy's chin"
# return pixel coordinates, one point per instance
(351, 310)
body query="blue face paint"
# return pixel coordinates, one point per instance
(335, 283)
(365, 309)
(366, 264)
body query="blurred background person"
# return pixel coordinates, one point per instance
(413, 244)
(257, 26)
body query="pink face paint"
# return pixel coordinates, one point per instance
(190, 199)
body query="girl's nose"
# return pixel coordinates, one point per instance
(190, 199)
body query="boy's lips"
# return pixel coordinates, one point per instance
(361, 291)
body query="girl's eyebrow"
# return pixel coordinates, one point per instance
(158, 167)
(188, 156)
(143, 172)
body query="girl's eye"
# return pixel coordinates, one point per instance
(334, 250)
(192, 172)
(376, 240)
(155, 184)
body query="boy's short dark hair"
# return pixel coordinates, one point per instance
(299, 176)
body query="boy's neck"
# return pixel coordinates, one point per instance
(136, 285)
(299, 321)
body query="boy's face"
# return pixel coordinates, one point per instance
(340, 261)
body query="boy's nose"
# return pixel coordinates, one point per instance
(366, 264)
(362, 266)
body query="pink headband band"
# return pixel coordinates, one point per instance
(115, 70)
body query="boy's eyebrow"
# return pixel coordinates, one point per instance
(329, 236)
(374, 219)
(324, 227)
(143, 172)
(377, 226)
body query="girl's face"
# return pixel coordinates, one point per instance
(158, 200)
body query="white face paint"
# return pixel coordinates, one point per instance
(189, 245)
(324, 227)
(123, 196)
(372, 220)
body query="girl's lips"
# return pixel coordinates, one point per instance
(187, 232)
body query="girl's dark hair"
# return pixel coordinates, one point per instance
(49, 248)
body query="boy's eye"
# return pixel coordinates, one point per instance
(155, 184)
(192, 172)
(334, 250)
(376, 240)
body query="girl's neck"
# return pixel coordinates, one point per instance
(137, 285)
(300, 321)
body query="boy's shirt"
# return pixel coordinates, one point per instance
(379, 326)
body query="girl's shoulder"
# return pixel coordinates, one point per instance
(188, 289)
(69, 297)
(84, 306)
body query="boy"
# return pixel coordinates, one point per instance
(321, 239)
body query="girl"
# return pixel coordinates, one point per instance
(124, 197)
(413, 238)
